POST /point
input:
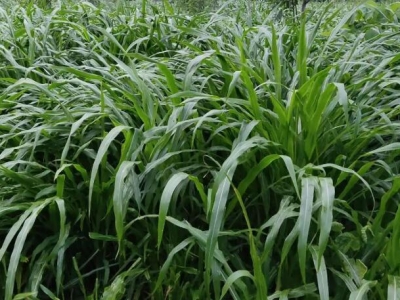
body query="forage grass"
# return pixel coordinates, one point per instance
(149, 152)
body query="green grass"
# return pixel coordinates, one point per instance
(150, 154)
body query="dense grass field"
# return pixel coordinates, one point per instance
(150, 153)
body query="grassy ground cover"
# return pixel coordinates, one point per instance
(236, 154)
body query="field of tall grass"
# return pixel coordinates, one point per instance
(238, 153)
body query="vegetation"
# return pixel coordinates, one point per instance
(148, 154)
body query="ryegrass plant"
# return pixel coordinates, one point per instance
(147, 154)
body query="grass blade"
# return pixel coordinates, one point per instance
(322, 275)
(326, 193)
(166, 197)
(393, 288)
(307, 198)
(108, 139)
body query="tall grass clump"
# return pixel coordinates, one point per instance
(146, 154)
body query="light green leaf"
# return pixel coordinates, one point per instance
(394, 288)
(121, 198)
(326, 194)
(166, 197)
(362, 290)
(232, 278)
(18, 246)
(322, 275)
(108, 139)
(308, 185)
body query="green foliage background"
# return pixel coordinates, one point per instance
(234, 153)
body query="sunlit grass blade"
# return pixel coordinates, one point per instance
(108, 139)
(308, 186)
(362, 291)
(286, 210)
(166, 198)
(18, 246)
(121, 198)
(232, 278)
(393, 288)
(322, 275)
(326, 194)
